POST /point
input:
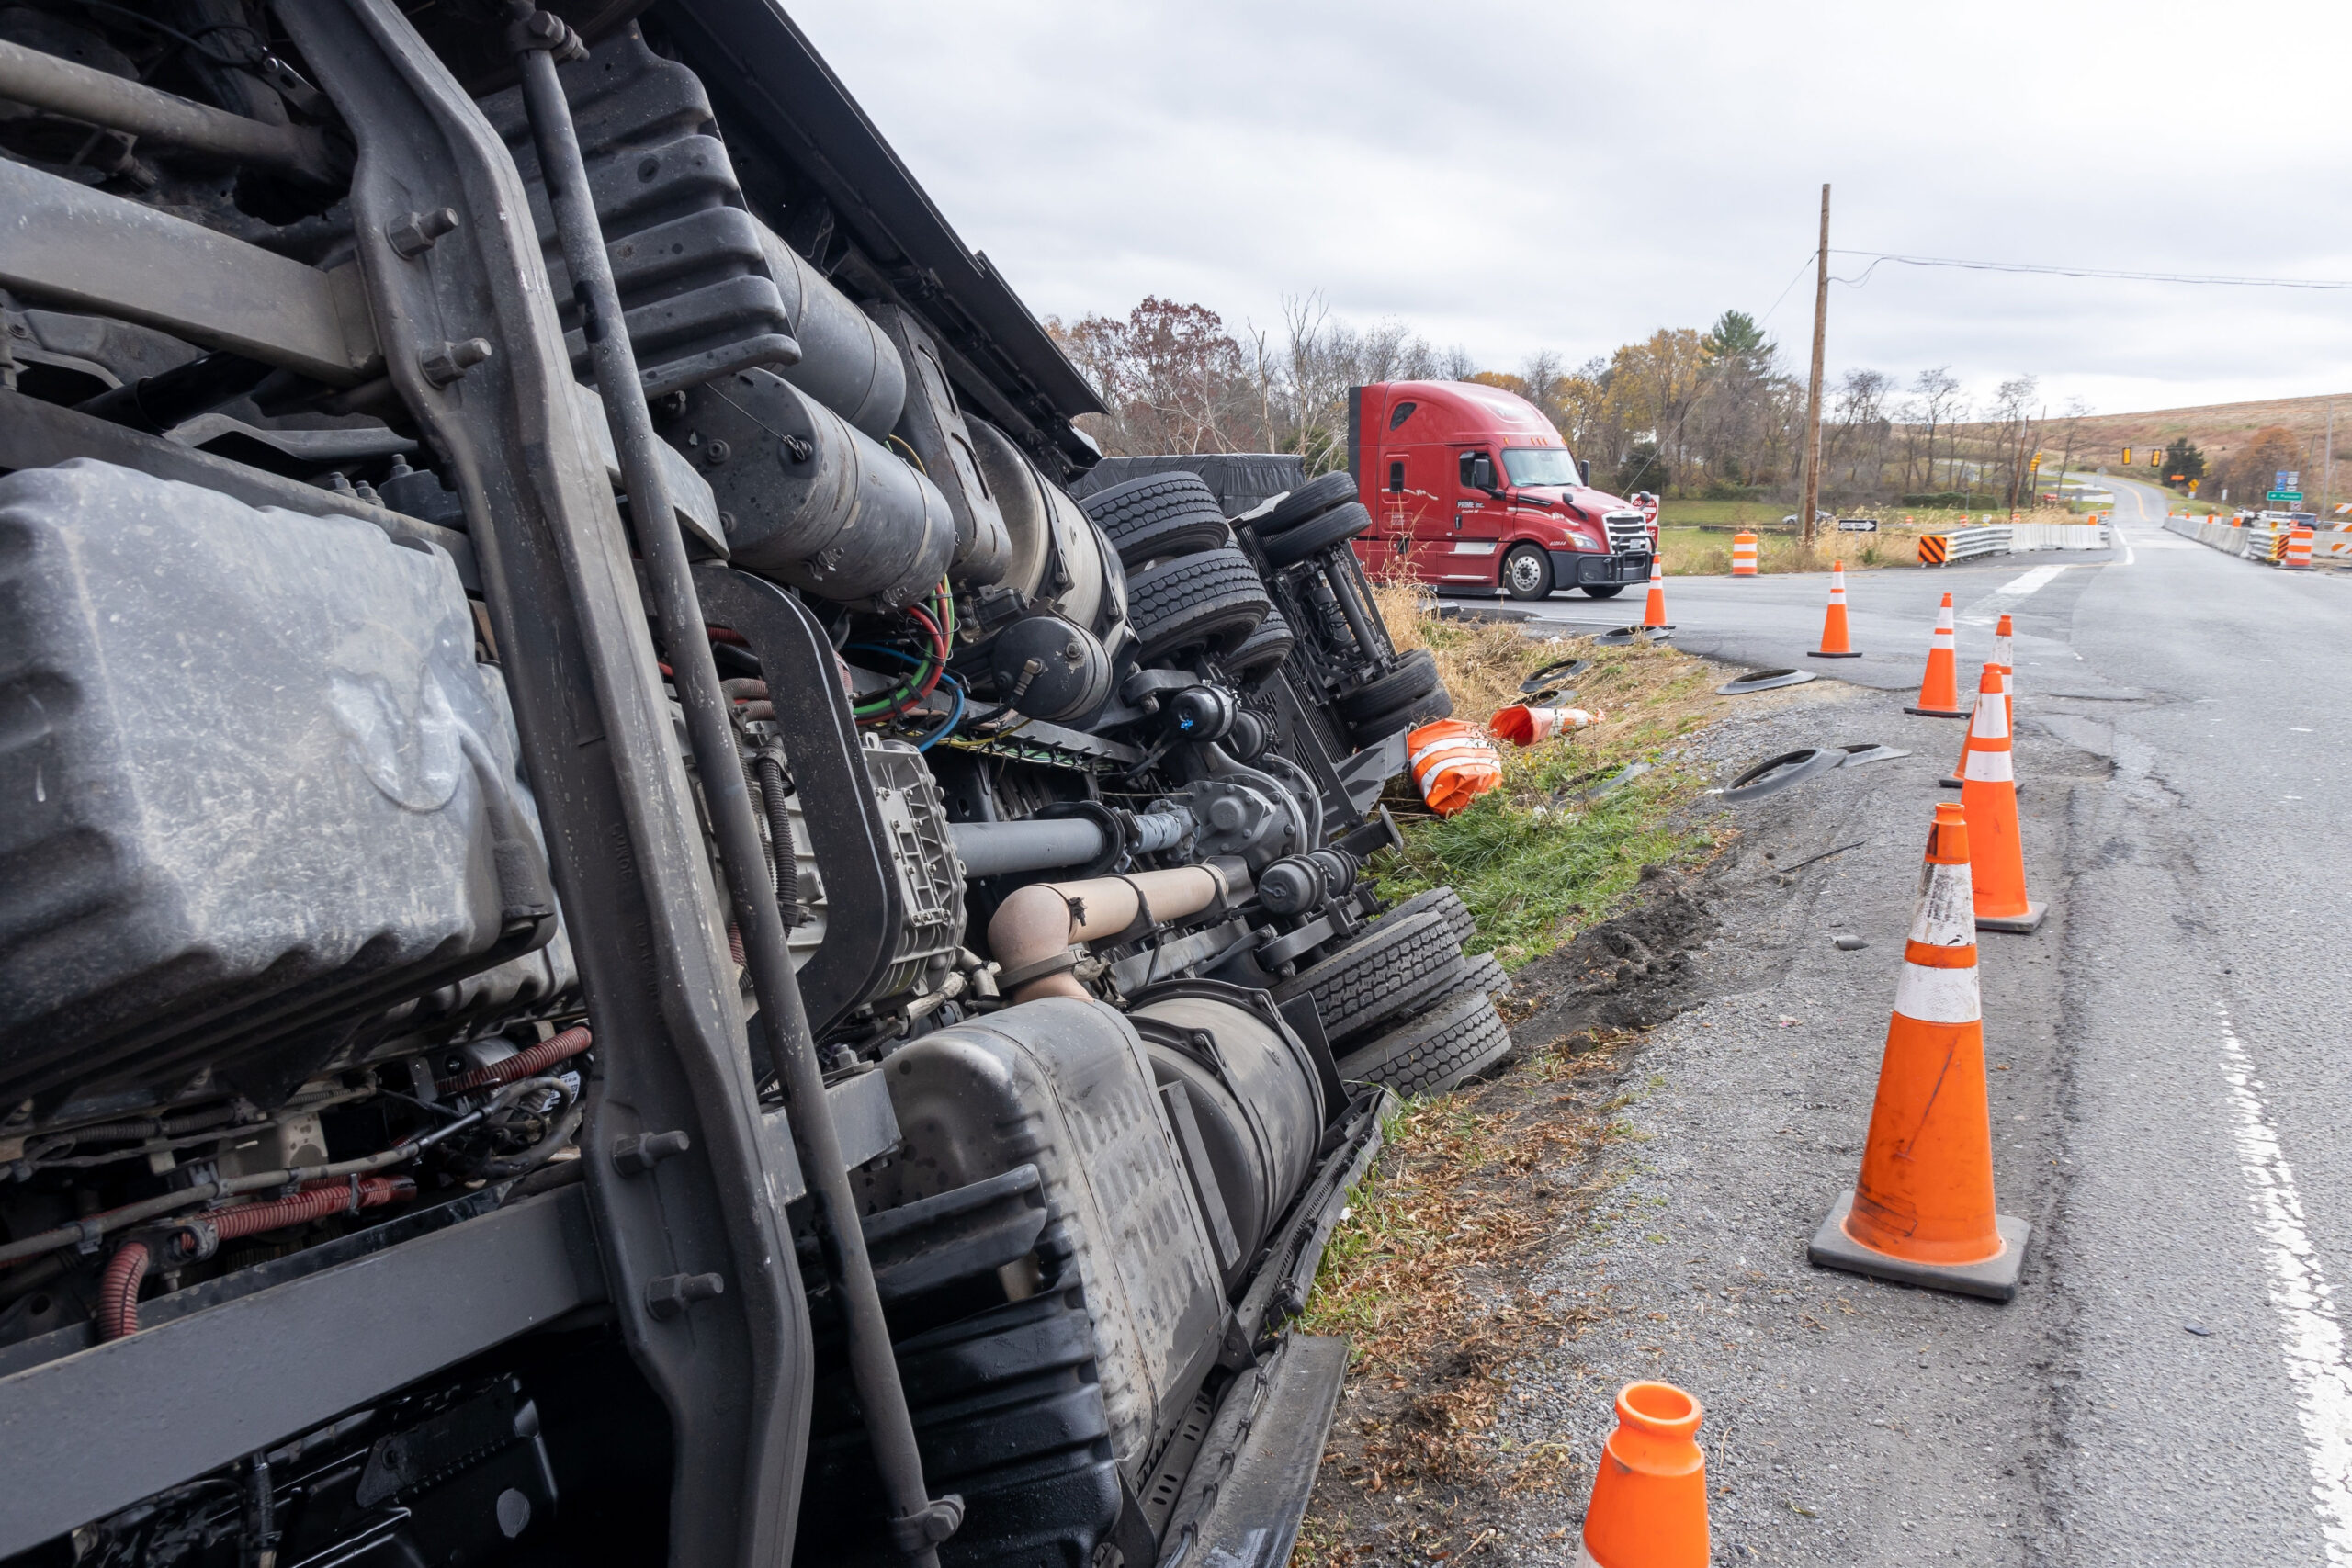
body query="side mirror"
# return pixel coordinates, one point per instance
(1584, 469)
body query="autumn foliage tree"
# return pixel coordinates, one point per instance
(2252, 469)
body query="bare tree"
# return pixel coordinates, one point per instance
(2077, 411)
(1938, 396)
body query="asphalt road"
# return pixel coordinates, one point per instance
(2172, 1384)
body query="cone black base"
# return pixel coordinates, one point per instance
(1819, 653)
(1937, 712)
(2021, 925)
(1995, 1278)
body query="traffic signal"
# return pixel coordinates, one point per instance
(2127, 456)
(2155, 458)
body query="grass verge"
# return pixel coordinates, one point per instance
(1428, 1273)
(1547, 852)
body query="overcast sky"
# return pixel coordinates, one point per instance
(1514, 177)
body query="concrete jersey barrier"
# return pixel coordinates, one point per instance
(2260, 541)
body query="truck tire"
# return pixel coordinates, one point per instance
(1381, 977)
(1527, 573)
(1603, 590)
(1414, 678)
(1212, 600)
(1482, 973)
(1414, 711)
(1444, 901)
(1434, 1052)
(1157, 518)
(1312, 499)
(1263, 652)
(1343, 523)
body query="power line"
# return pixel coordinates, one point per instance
(1877, 257)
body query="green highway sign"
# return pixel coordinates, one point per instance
(2284, 495)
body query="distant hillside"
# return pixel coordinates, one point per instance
(2219, 430)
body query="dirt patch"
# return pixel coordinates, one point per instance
(1627, 972)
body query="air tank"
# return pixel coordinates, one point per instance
(810, 500)
(847, 363)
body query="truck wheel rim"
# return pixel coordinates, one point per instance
(1526, 573)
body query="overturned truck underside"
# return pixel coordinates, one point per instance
(640, 922)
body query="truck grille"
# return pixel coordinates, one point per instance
(1628, 534)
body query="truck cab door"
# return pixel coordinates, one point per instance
(1473, 530)
(1387, 546)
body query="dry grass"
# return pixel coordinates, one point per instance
(1427, 1281)
(1693, 553)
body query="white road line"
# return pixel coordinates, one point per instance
(2312, 1333)
(2039, 577)
(1981, 613)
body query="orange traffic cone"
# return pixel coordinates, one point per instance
(1989, 793)
(1654, 615)
(1453, 763)
(1523, 724)
(1939, 688)
(1834, 641)
(2004, 641)
(1649, 1499)
(1922, 1212)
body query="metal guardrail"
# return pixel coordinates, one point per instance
(1967, 544)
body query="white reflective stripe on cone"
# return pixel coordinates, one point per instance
(1938, 996)
(1992, 721)
(1450, 744)
(1946, 913)
(1988, 767)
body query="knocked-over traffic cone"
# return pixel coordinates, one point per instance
(1649, 1499)
(1939, 687)
(2003, 642)
(1654, 614)
(1988, 791)
(1834, 641)
(1921, 1213)
(1523, 724)
(1453, 763)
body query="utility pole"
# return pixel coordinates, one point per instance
(2327, 465)
(1812, 487)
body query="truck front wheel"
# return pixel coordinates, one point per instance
(1527, 573)
(1603, 590)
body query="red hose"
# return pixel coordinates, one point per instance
(527, 1064)
(315, 1201)
(118, 1290)
(119, 1286)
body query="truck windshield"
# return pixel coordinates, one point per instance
(1540, 466)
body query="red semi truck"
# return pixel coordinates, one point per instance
(1471, 488)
